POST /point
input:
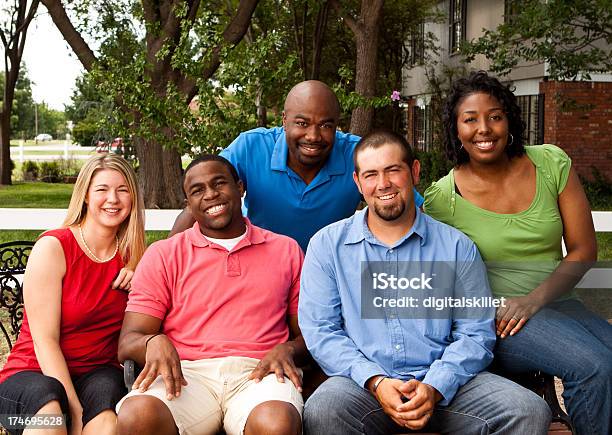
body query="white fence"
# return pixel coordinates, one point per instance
(162, 220)
(65, 151)
(47, 218)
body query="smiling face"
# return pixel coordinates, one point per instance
(310, 119)
(386, 181)
(108, 198)
(482, 127)
(214, 199)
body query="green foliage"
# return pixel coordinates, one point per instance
(434, 165)
(50, 172)
(29, 170)
(22, 113)
(86, 132)
(68, 167)
(51, 121)
(598, 190)
(573, 37)
(259, 70)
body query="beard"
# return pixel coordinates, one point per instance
(390, 212)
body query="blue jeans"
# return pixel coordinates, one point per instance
(566, 340)
(487, 404)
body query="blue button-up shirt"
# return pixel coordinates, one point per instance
(278, 199)
(442, 352)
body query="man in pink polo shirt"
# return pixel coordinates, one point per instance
(212, 318)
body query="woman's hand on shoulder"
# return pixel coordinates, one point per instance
(123, 281)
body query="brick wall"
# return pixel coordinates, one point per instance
(578, 118)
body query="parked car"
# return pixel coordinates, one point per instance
(116, 146)
(43, 137)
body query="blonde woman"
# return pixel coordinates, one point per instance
(75, 293)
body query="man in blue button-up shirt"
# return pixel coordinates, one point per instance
(394, 364)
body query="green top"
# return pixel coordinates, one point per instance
(520, 249)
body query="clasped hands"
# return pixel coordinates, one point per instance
(162, 359)
(413, 413)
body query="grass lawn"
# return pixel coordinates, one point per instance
(35, 195)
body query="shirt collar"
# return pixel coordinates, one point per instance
(254, 236)
(359, 230)
(335, 164)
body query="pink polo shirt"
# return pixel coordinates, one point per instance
(214, 303)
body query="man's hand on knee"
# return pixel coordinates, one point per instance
(161, 359)
(280, 361)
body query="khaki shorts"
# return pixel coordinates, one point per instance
(220, 395)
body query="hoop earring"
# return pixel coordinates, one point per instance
(511, 139)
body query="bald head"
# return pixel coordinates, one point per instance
(310, 119)
(312, 92)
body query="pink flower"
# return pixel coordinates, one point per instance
(395, 96)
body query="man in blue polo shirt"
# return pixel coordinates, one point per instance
(298, 177)
(395, 364)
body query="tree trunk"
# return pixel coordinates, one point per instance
(366, 41)
(317, 40)
(262, 111)
(365, 84)
(159, 175)
(365, 29)
(13, 37)
(10, 81)
(5, 136)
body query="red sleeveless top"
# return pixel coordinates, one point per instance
(92, 313)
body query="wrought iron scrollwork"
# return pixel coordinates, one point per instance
(13, 260)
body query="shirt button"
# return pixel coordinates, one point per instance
(390, 251)
(398, 347)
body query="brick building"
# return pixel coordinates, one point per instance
(577, 116)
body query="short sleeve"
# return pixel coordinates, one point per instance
(437, 199)
(150, 292)
(236, 154)
(554, 161)
(297, 260)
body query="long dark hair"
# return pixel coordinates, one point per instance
(481, 82)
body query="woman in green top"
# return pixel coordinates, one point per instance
(516, 202)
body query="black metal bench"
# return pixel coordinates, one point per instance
(13, 260)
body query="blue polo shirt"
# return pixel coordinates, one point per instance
(278, 200)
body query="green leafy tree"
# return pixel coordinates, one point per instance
(22, 116)
(51, 121)
(573, 37)
(171, 51)
(90, 110)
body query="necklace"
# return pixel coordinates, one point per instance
(99, 260)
